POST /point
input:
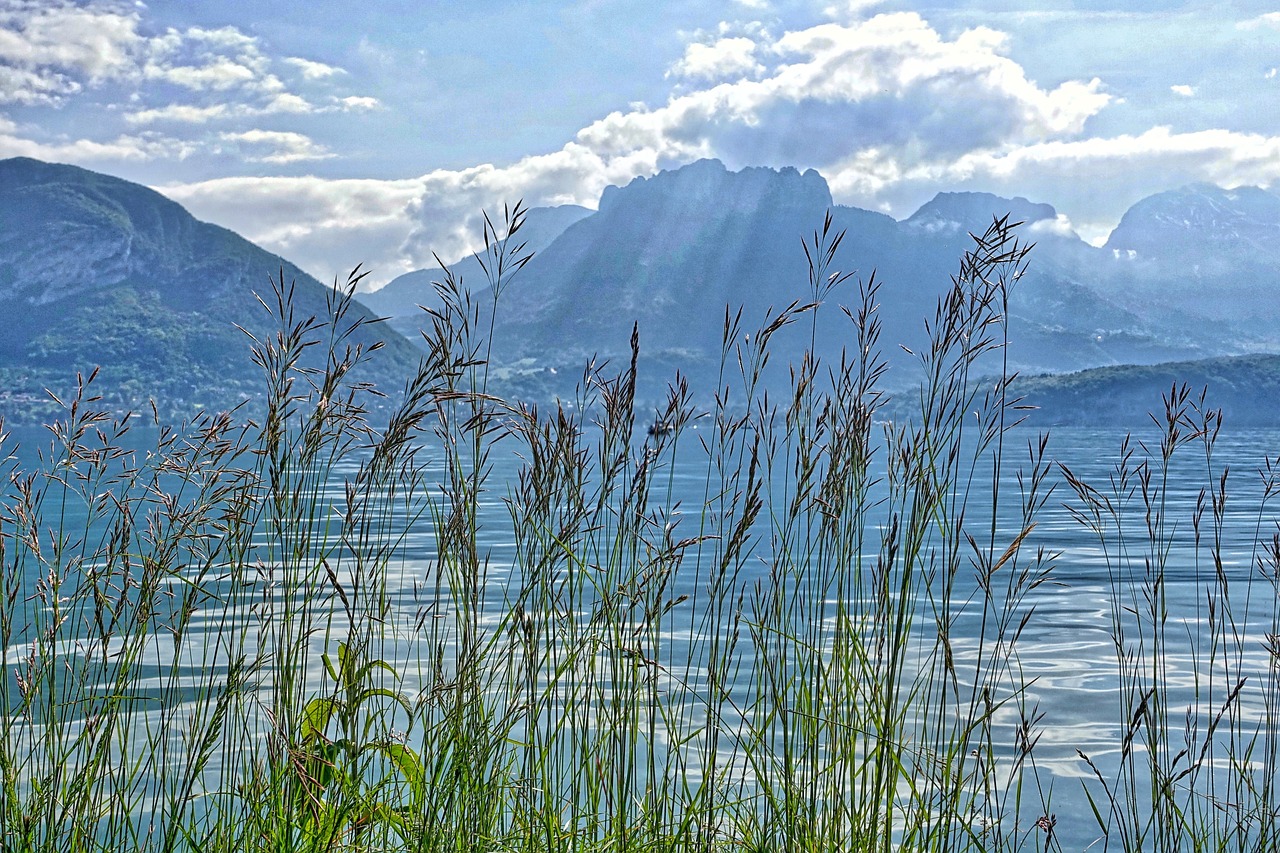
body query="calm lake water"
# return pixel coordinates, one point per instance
(1068, 651)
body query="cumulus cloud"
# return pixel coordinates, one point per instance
(1268, 19)
(726, 58)
(1183, 90)
(358, 102)
(281, 104)
(287, 102)
(312, 70)
(837, 89)
(216, 75)
(324, 226)
(48, 48)
(52, 50)
(126, 147)
(182, 113)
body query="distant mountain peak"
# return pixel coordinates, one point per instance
(961, 212)
(1243, 221)
(709, 180)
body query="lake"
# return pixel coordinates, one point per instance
(1086, 651)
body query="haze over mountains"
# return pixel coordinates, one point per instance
(98, 271)
(1187, 274)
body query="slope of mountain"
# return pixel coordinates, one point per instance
(1245, 388)
(403, 294)
(1214, 252)
(1200, 223)
(100, 272)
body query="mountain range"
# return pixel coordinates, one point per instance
(97, 271)
(1187, 274)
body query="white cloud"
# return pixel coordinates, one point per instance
(359, 102)
(52, 50)
(837, 90)
(287, 102)
(122, 148)
(24, 86)
(724, 59)
(447, 215)
(324, 226)
(98, 43)
(218, 75)
(283, 103)
(1059, 226)
(276, 146)
(183, 113)
(48, 48)
(1183, 90)
(227, 38)
(1070, 173)
(312, 70)
(1268, 19)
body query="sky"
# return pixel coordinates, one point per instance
(378, 133)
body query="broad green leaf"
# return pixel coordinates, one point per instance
(316, 717)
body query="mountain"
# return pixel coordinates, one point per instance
(98, 272)
(1200, 223)
(960, 213)
(1245, 388)
(1214, 252)
(669, 252)
(402, 295)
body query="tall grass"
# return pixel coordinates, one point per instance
(216, 636)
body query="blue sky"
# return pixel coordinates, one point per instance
(337, 133)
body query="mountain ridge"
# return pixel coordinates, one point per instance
(99, 273)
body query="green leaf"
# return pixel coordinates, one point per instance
(367, 670)
(315, 718)
(410, 767)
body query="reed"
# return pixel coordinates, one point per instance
(215, 636)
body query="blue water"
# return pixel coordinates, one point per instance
(1067, 652)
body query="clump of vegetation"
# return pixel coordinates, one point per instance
(215, 636)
